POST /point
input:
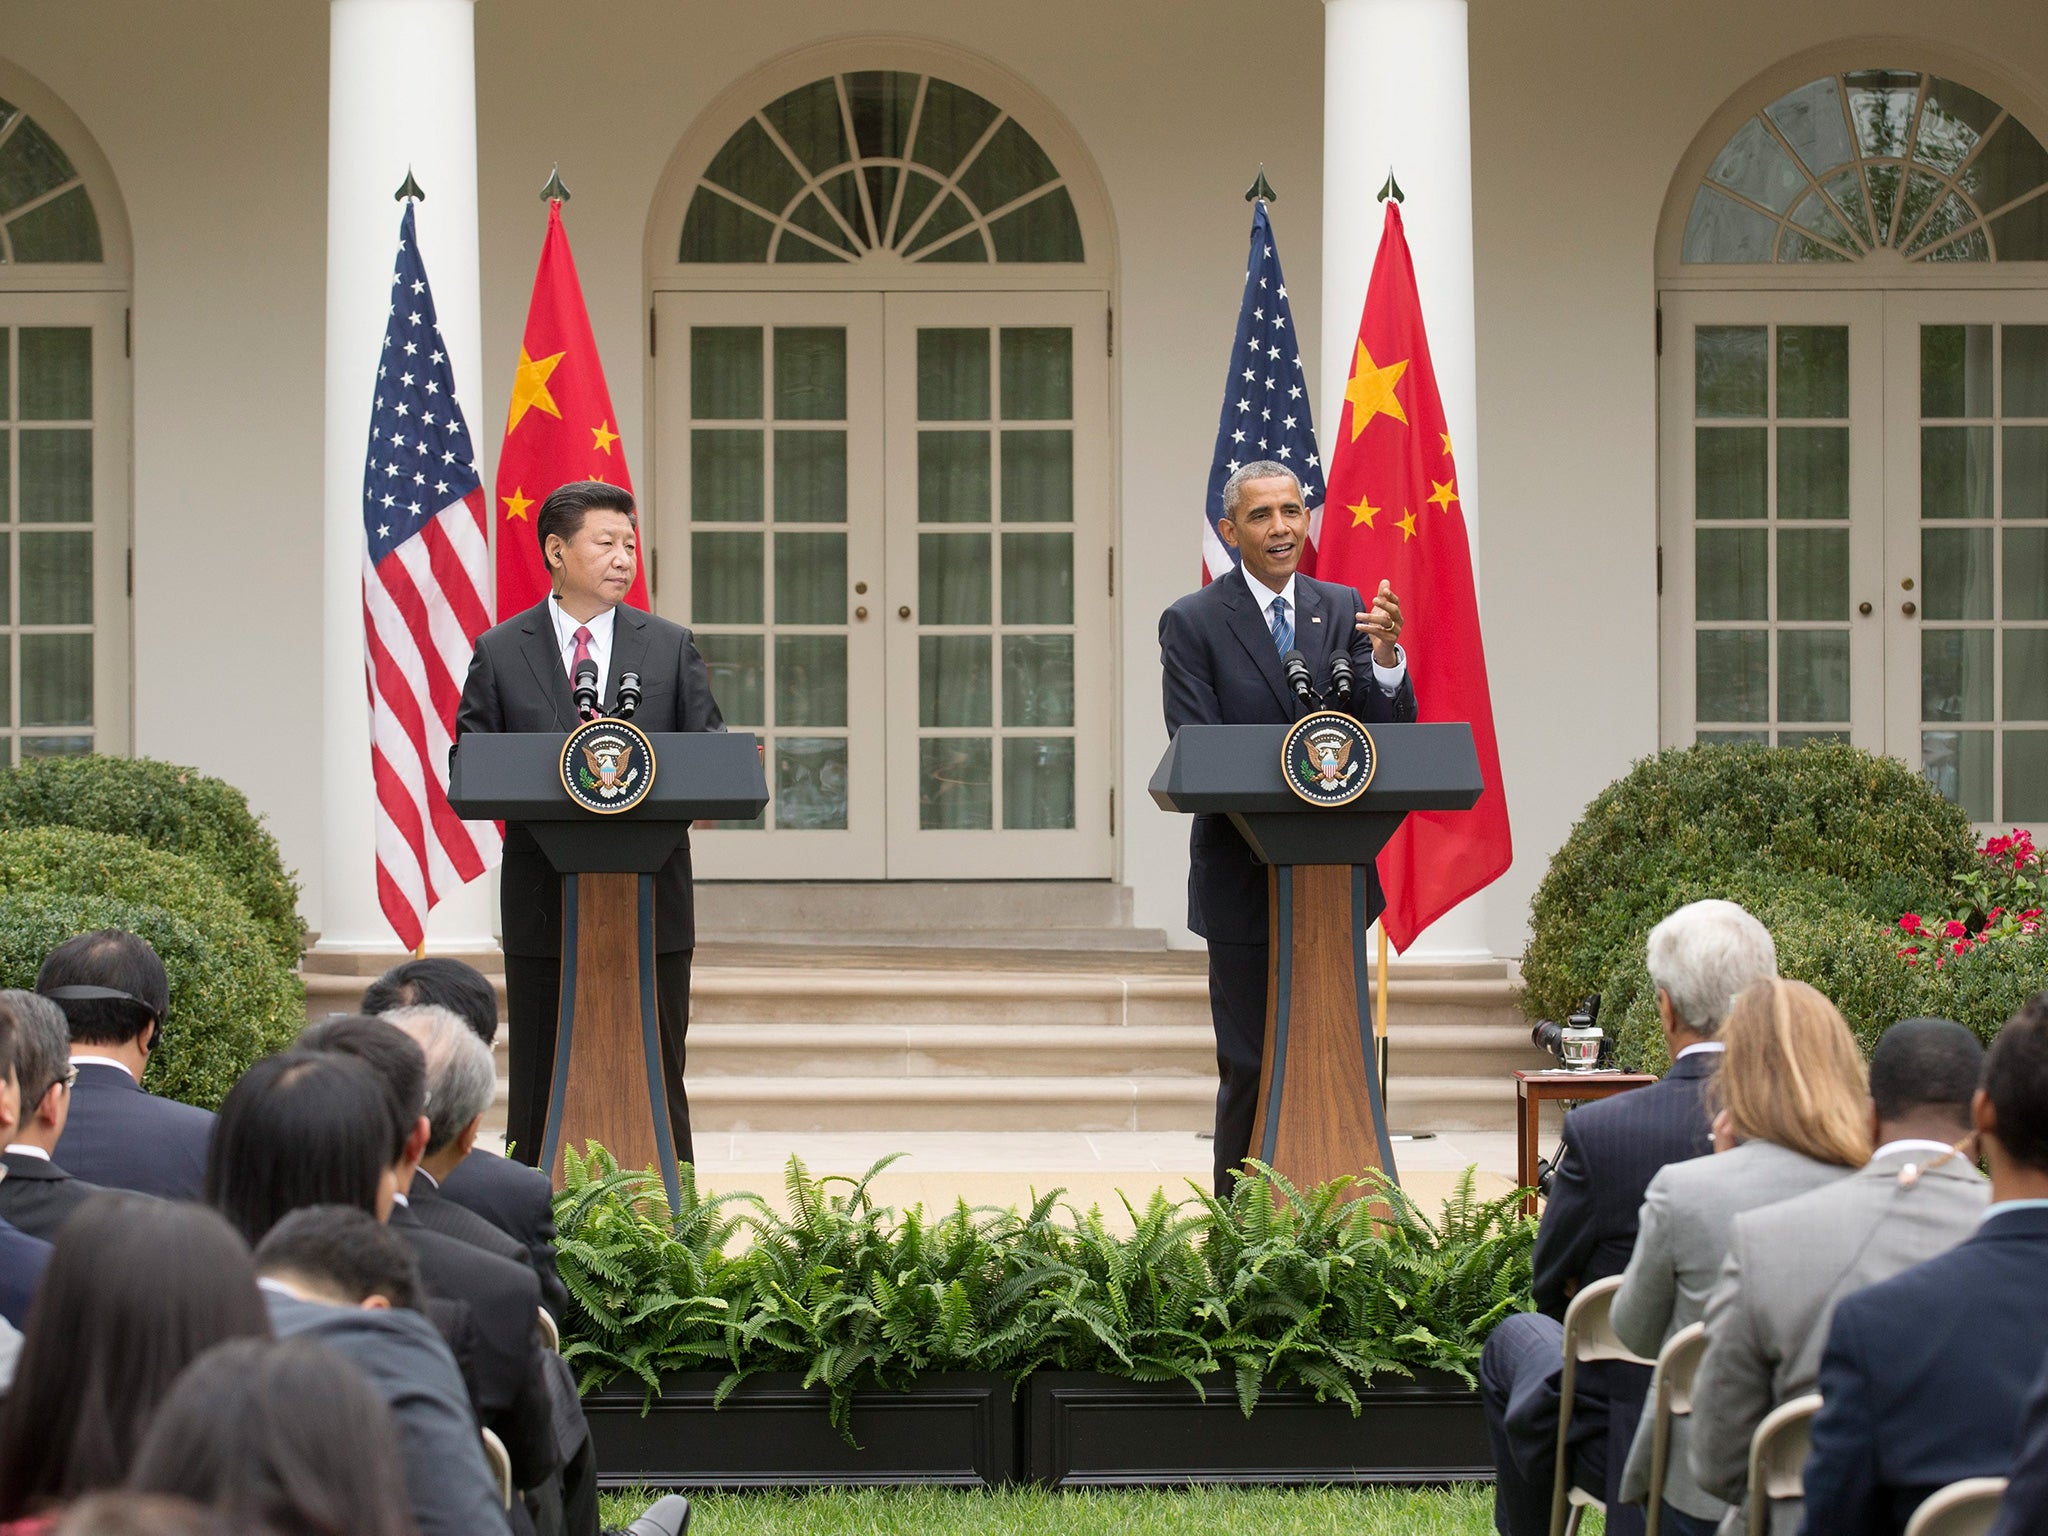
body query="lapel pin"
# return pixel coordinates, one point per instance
(1315, 618)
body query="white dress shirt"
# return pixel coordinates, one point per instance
(87, 1059)
(27, 1150)
(1389, 678)
(600, 641)
(1701, 1048)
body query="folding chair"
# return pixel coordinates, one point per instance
(549, 1331)
(1964, 1508)
(1777, 1458)
(1588, 1336)
(1671, 1398)
(500, 1460)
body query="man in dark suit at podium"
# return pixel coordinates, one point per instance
(1220, 650)
(520, 680)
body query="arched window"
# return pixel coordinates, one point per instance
(875, 162)
(46, 214)
(1871, 158)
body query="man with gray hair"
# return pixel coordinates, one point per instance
(1224, 652)
(36, 1195)
(1700, 959)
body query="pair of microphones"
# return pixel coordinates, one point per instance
(1343, 680)
(586, 692)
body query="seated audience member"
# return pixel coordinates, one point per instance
(1788, 1263)
(1924, 1375)
(2024, 1509)
(114, 994)
(22, 1258)
(461, 1081)
(36, 1195)
(146, 1514)
(136, 1290)
(1699, 958)
(282, 1435)
(336, 1274)
(509, 1195)
(1793, 1115)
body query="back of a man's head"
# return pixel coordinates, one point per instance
(1705, 955)
(110, 984)
(385, 1049)
(1926, 1070)
(461, 1077)
(438, 981)
(339, 1254)
(297, 1129)
(42, 1046)
(2016, 1083)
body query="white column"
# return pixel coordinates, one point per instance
(401, 92)
(1397, 92)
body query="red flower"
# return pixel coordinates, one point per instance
(1954, 929)
(1993, 916)
(1962, 945)
(1910, 923)
(1910, 949)
(1994, 846)
(2032, 914)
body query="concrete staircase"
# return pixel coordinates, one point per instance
(1028, 1006)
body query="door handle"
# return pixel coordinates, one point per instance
(1909, 608)
(860, 613)
(903, 612)
(1864, 609)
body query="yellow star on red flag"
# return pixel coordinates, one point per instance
(1442, 493)
(1364, 513)
(605, 436)
(530, 387)
(517, 503)
(1370, 391)
(1406, 525)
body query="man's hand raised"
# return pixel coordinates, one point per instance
(1383, 624)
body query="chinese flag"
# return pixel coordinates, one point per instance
(560, 427)
(1392, 513)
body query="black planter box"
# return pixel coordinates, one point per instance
(1085, 1430)
(953, 1430)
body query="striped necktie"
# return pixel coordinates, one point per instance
(1283, 628)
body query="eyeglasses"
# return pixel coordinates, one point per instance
(69, 1079)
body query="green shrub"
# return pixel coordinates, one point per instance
(232, 999)
(179, 809)
(1824, 825)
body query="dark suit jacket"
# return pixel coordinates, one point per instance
(1612, 1149)
(38, 1196)
(22, 1262)
(1220, 668)
(517, 1200)
(2024, 1509)
(438, 1213)
(517, 683)
(1924, 1377)
(122, 1138)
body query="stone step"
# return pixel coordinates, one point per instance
(906, 909)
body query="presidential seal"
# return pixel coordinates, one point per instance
(1328, 758)
(607, 766)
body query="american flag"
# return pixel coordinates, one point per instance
(426, 589)
(1265, 401)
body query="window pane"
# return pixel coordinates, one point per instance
(1813, 674)
(63, 229)
(1958, 765)
(56, 373)
(6, 591)
(808, 121)
(881, 102)
(1813, 573)
(1729, 469)
(734, 662)
(1801, 738)
(726, 585)
(2026, 573)
(1955, 370)
(30, 165)
(2010, 165)
(1010, 165)
(1955, 571)
(811, 215)
(1813, 471)
(2026, 776)
(2022, 235)
(1734, 738)
(953, 680)
(725, 475)
(949, 218)
(1730, 573)
(725, 372)
(1955, 471)
(1952, 118)
(56, 475)
(6, 386)
(810, 783)
(1811, 120)
(1038, 782)
(718, 229)
(1955, 674)
(55, 746)
(751, 165)
(1038, 477)
(810, 373)
(1756, 165)
(810, 579)
(56, 679)
(810, 477)
(2026, 674)
(2026, 472)
(952, 375)
(2026, 371)
(953, 120)
(954, 793)
(1044, 229)
(1038, 373)
(1719, 229)
(1734, 674)
(1038, 578)
(953, 477)
(810, 680)
(1728, 370)
(953, 578)
(56, 578)
(6, 689)
(1813, 370)
(1038, 680)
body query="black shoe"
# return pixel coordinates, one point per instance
(666, 1516)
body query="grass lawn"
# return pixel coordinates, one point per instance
(1463, 1510)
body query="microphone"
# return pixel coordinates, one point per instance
(1295, 665)
(629, 694)
(1342, 679)
(586, 688)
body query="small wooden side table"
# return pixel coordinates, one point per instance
(1532, 1089)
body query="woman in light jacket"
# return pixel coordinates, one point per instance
(1792, 1114)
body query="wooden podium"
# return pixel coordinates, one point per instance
(1321, 1114)
(607, 1085)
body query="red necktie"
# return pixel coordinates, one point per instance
(582, 650)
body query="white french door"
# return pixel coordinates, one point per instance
(887, 519)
